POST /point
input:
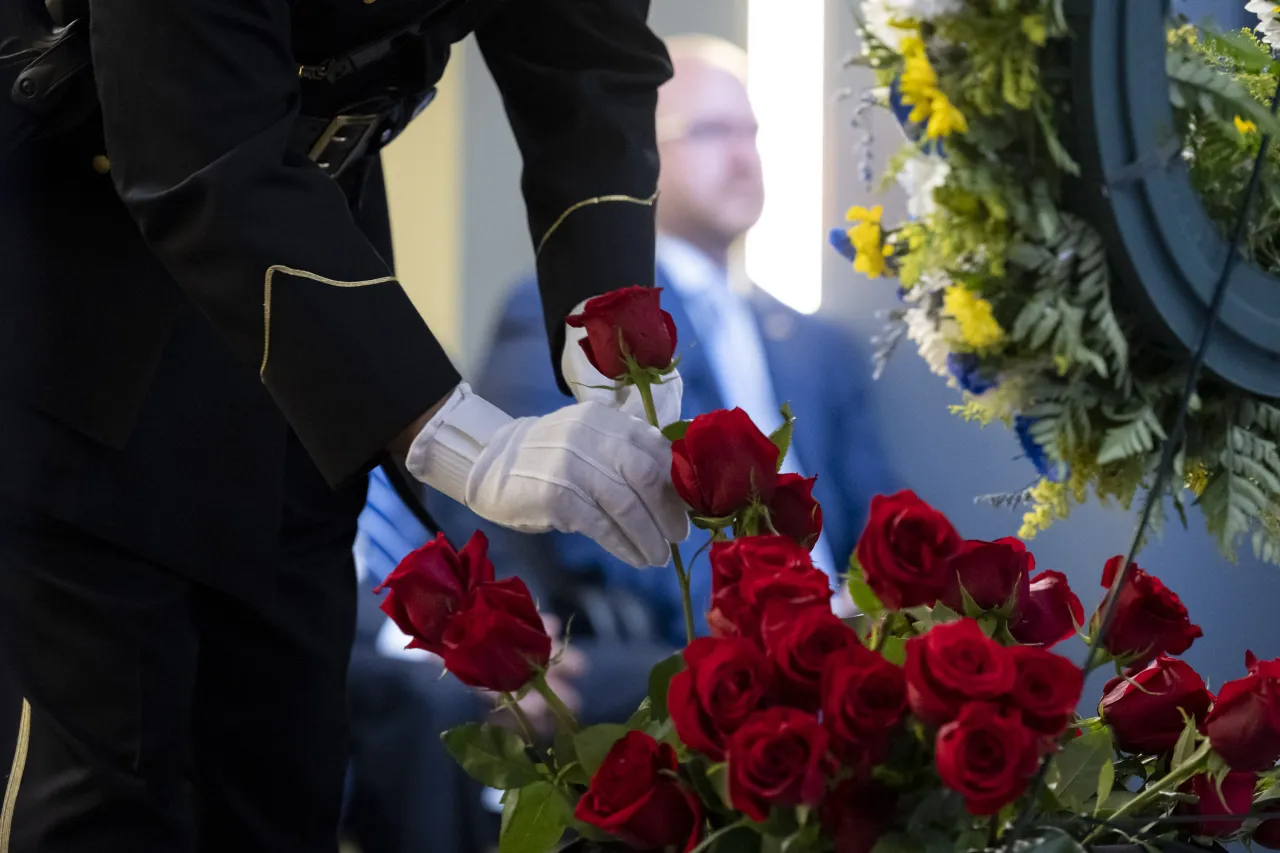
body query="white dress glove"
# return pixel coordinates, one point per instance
(583, 469)
(583, 378)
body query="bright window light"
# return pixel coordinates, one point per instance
(785, 46)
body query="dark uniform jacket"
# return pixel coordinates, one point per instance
(218, 214)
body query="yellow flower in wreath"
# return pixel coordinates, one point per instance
(1244, 126)
(973, 314)
(944, 119)
(919, 87)
(867, 240)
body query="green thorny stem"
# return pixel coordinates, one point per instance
(1194, 764)
(686, 599)
(561, 711)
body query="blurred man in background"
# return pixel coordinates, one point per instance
(738, 347)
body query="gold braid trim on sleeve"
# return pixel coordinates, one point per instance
(587, 202)
(15, 776)
(266, 300)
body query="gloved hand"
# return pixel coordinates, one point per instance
(584, 381)
(583, 469)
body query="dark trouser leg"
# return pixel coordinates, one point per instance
(101, 645)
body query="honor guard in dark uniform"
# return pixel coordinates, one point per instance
(203, 350)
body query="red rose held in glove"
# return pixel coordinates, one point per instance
(994, 574)
(1149, 620)
(429, 585)
(723, 683)
(1051, 614)
(864, 697)
(722, 463)
(1144, 711)
(636, 796)
(953, 665)
(793, 511)
(1234, 798)
(626, 322)
(857, 813)
(987, 756)
(776, 759)
(749, 573)
(904, 550)
(799, 646)
(1244, 725)
(496, 640)
(1047, 689)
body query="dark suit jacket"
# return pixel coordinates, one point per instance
(813, 365)
(167, 329)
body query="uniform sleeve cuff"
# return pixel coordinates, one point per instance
(446, 450)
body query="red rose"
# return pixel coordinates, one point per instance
(1235, 798)
(994, 574)
(799, 646)
(749, 573)
(904, 550)
(794, 512)
(637, 797)
(1244, 725)
(723, 463)
(1051, 613)
(1047, 689)
(1145, 710)
(987, 756)
(496, 640)
(429, 585)
(1268, 832)
(626, 322)
(1150, 619)
(857, 813)
(863, 698)
(776, 758)
(723, 683)
(954, 664)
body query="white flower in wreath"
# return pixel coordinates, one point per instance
(923, 10)
(890, 21)
(931, 336)
(1268, 12)
(919, 177)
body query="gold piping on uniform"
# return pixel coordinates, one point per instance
(266, 306)
(15, 777)
(600, 199)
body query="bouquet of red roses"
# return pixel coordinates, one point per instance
(940, 719)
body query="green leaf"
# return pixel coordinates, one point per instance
(703, 522)
(1106, 781)
(537, 821)
(734, 838)
(781, 437)
(1079, 766)
(895, 650)
(660, 683)
(491, 755)
(566, 758)
(897, 842)
(643, 716)
(1186, 744)
(1050, 839)
(593, 743)
(942, 614)
(863, 597)
(675, 431)
(699, 776)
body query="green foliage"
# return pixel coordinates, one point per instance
(593, 743)
(660, 684)
(533, 819)
(1076, 770)
(491, 755)
(781, 437)
(1195, 82)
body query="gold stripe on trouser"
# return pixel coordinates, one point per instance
(15, 777)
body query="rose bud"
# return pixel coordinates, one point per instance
(904, 550)
(1051, 614)
(799, 646)
(1149, 620)
(428, 586)
(994, 574)
(722, 463)
(496, 640)
(1244, 724)
(637, 797)
(723, 683)
(864, 697)
(749, 573)
(1047, 689)
(1235, 798)
(793, 511)
(987, 756)
(857, 813)
(629, 321)
(953, 665)
(776, 759)
(1145, 711)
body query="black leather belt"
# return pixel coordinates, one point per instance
(334, 144)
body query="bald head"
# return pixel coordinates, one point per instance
(711, 183)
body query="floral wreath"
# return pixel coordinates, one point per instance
(1008, 294)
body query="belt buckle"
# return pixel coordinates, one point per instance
(343, 140)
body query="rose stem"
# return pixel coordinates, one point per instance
(1193, 765)
(686, 599)
(525, 725)
(558, 708)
